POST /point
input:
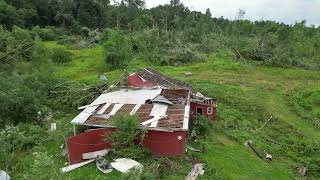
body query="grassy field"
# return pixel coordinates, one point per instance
(248, 96)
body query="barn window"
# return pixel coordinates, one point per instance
(209, 110)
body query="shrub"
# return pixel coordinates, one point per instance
(46, 34)
(13, 139)
(68, 40)
(127, 130)
(200, 127)
(61, 55)
(43, 167)
(127, 136)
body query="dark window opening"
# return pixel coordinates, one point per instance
(199, 111)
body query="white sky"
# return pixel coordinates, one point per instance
(288, 11)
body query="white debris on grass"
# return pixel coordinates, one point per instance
(124, 165)
(93, 155)
(75, 166)
(4, 175)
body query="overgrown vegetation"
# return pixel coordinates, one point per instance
(200, 127)
(60, 55)
(128, 137)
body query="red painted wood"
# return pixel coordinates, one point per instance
(193, 111)
(90, 141)
(135, 81)
(159, 143)
(166, 143)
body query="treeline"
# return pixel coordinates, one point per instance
(179, 29)
(168, 34)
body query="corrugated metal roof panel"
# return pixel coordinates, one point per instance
(161, 99)
(158, 115)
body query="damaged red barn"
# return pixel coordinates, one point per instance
(163, 105)
(199, 103)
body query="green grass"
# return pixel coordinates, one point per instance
(247, 94)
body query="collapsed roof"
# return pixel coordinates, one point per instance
(157, 108)
(152, 78)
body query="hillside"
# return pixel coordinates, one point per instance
(247, 94)
(264, 74)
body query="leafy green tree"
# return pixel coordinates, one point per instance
(118, 49)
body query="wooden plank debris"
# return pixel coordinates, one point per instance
(250, 145)
(95, 154)
(192, 149)
(75, 166)
(195, 172)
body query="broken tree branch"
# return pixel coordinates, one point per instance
(264, 124)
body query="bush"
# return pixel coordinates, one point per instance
(184, 55)
(61, 55)
(127, 130)
(200, 127)
(68, 40)
(307, 104)
(29, 96)
(46, 34)
(43, 167)
(13, 139)
(127, 137)
(78, 42)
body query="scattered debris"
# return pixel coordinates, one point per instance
(75, 166)
(95, 154)
(161, 99)
(268, 157)
(188, 74)
(64, 150)
(4, 175)
(302, 171)
(195, 172)
(103, 77)
(124, 165)
(164, 107)
(265, 123)
(273, 142)
(48, 117)
(193, 149)
(103, 165)
(53, 127)
(249, 144)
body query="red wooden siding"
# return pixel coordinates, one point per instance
(158, 142)
(204, 107)
(166, 143)
(90, 141)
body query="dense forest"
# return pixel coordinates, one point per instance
(166, 35)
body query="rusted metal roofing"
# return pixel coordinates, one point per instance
(158, 79)
(152, 114)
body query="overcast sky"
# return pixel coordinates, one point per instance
(288, 11)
